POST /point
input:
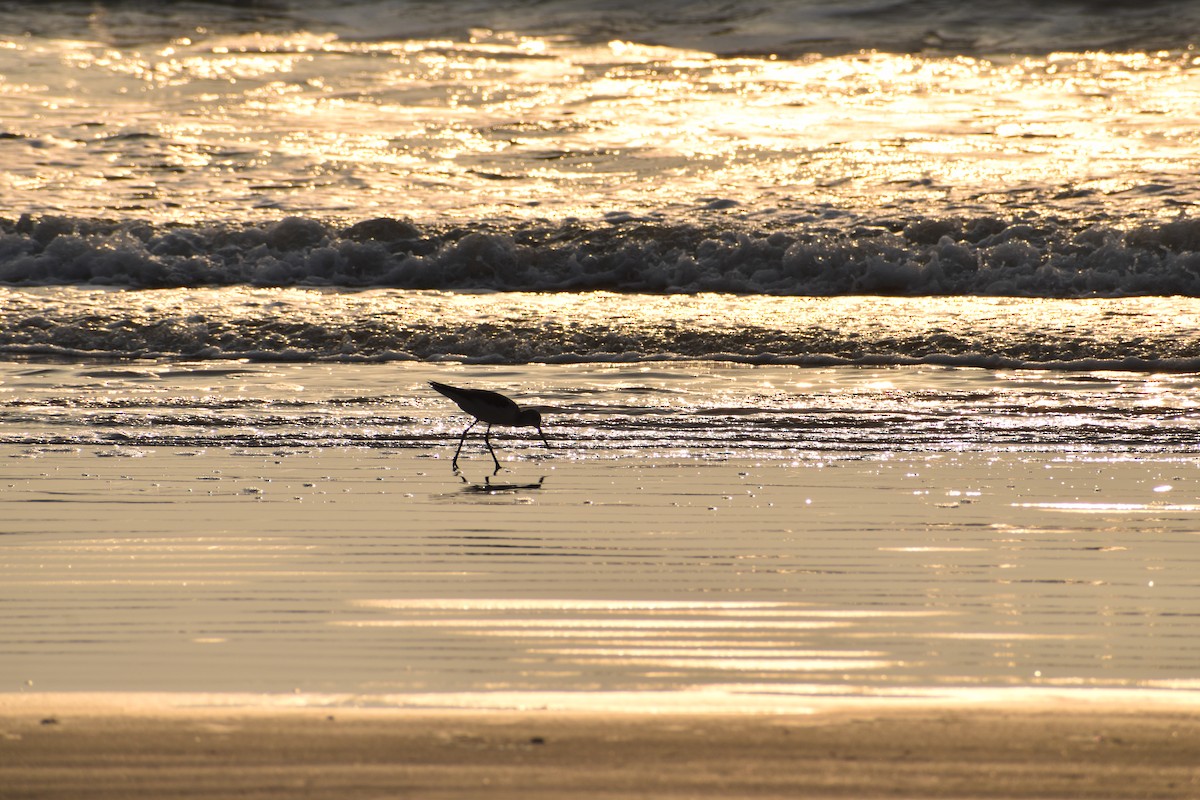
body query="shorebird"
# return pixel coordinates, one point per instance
(492, 408)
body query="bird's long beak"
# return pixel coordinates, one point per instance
(544, 439)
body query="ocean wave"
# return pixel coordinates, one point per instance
(1148, 334)
(623, 253)
(745, 27)
(508, 357)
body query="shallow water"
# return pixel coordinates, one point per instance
(711, 410)
(218, 327)
(266, 528)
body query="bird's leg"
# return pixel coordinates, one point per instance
(488, 442)
(462, 439)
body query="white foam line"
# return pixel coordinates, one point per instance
(713, 699)
(568, 605)
(568, 625)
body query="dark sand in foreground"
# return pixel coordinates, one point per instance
(358, 753)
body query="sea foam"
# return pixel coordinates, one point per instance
(940, 256)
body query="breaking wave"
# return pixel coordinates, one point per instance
(948, 256)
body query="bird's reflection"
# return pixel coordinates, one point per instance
(488, 487)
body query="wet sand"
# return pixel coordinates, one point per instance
(49, 750)
(381, 572)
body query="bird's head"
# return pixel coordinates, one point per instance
(533, 419)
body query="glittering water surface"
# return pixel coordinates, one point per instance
(326, 325)
(259, 368)
(211, 124)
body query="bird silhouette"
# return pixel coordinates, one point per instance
(491, 408)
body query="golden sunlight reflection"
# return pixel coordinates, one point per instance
(701, 658)
(508, 604)
(769, 638)
(570, 625)
(538, 125)
(1105, 508)
(1005, 636)
(708, 650)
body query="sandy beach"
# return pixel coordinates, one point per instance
(866, 337)
(94, 750)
